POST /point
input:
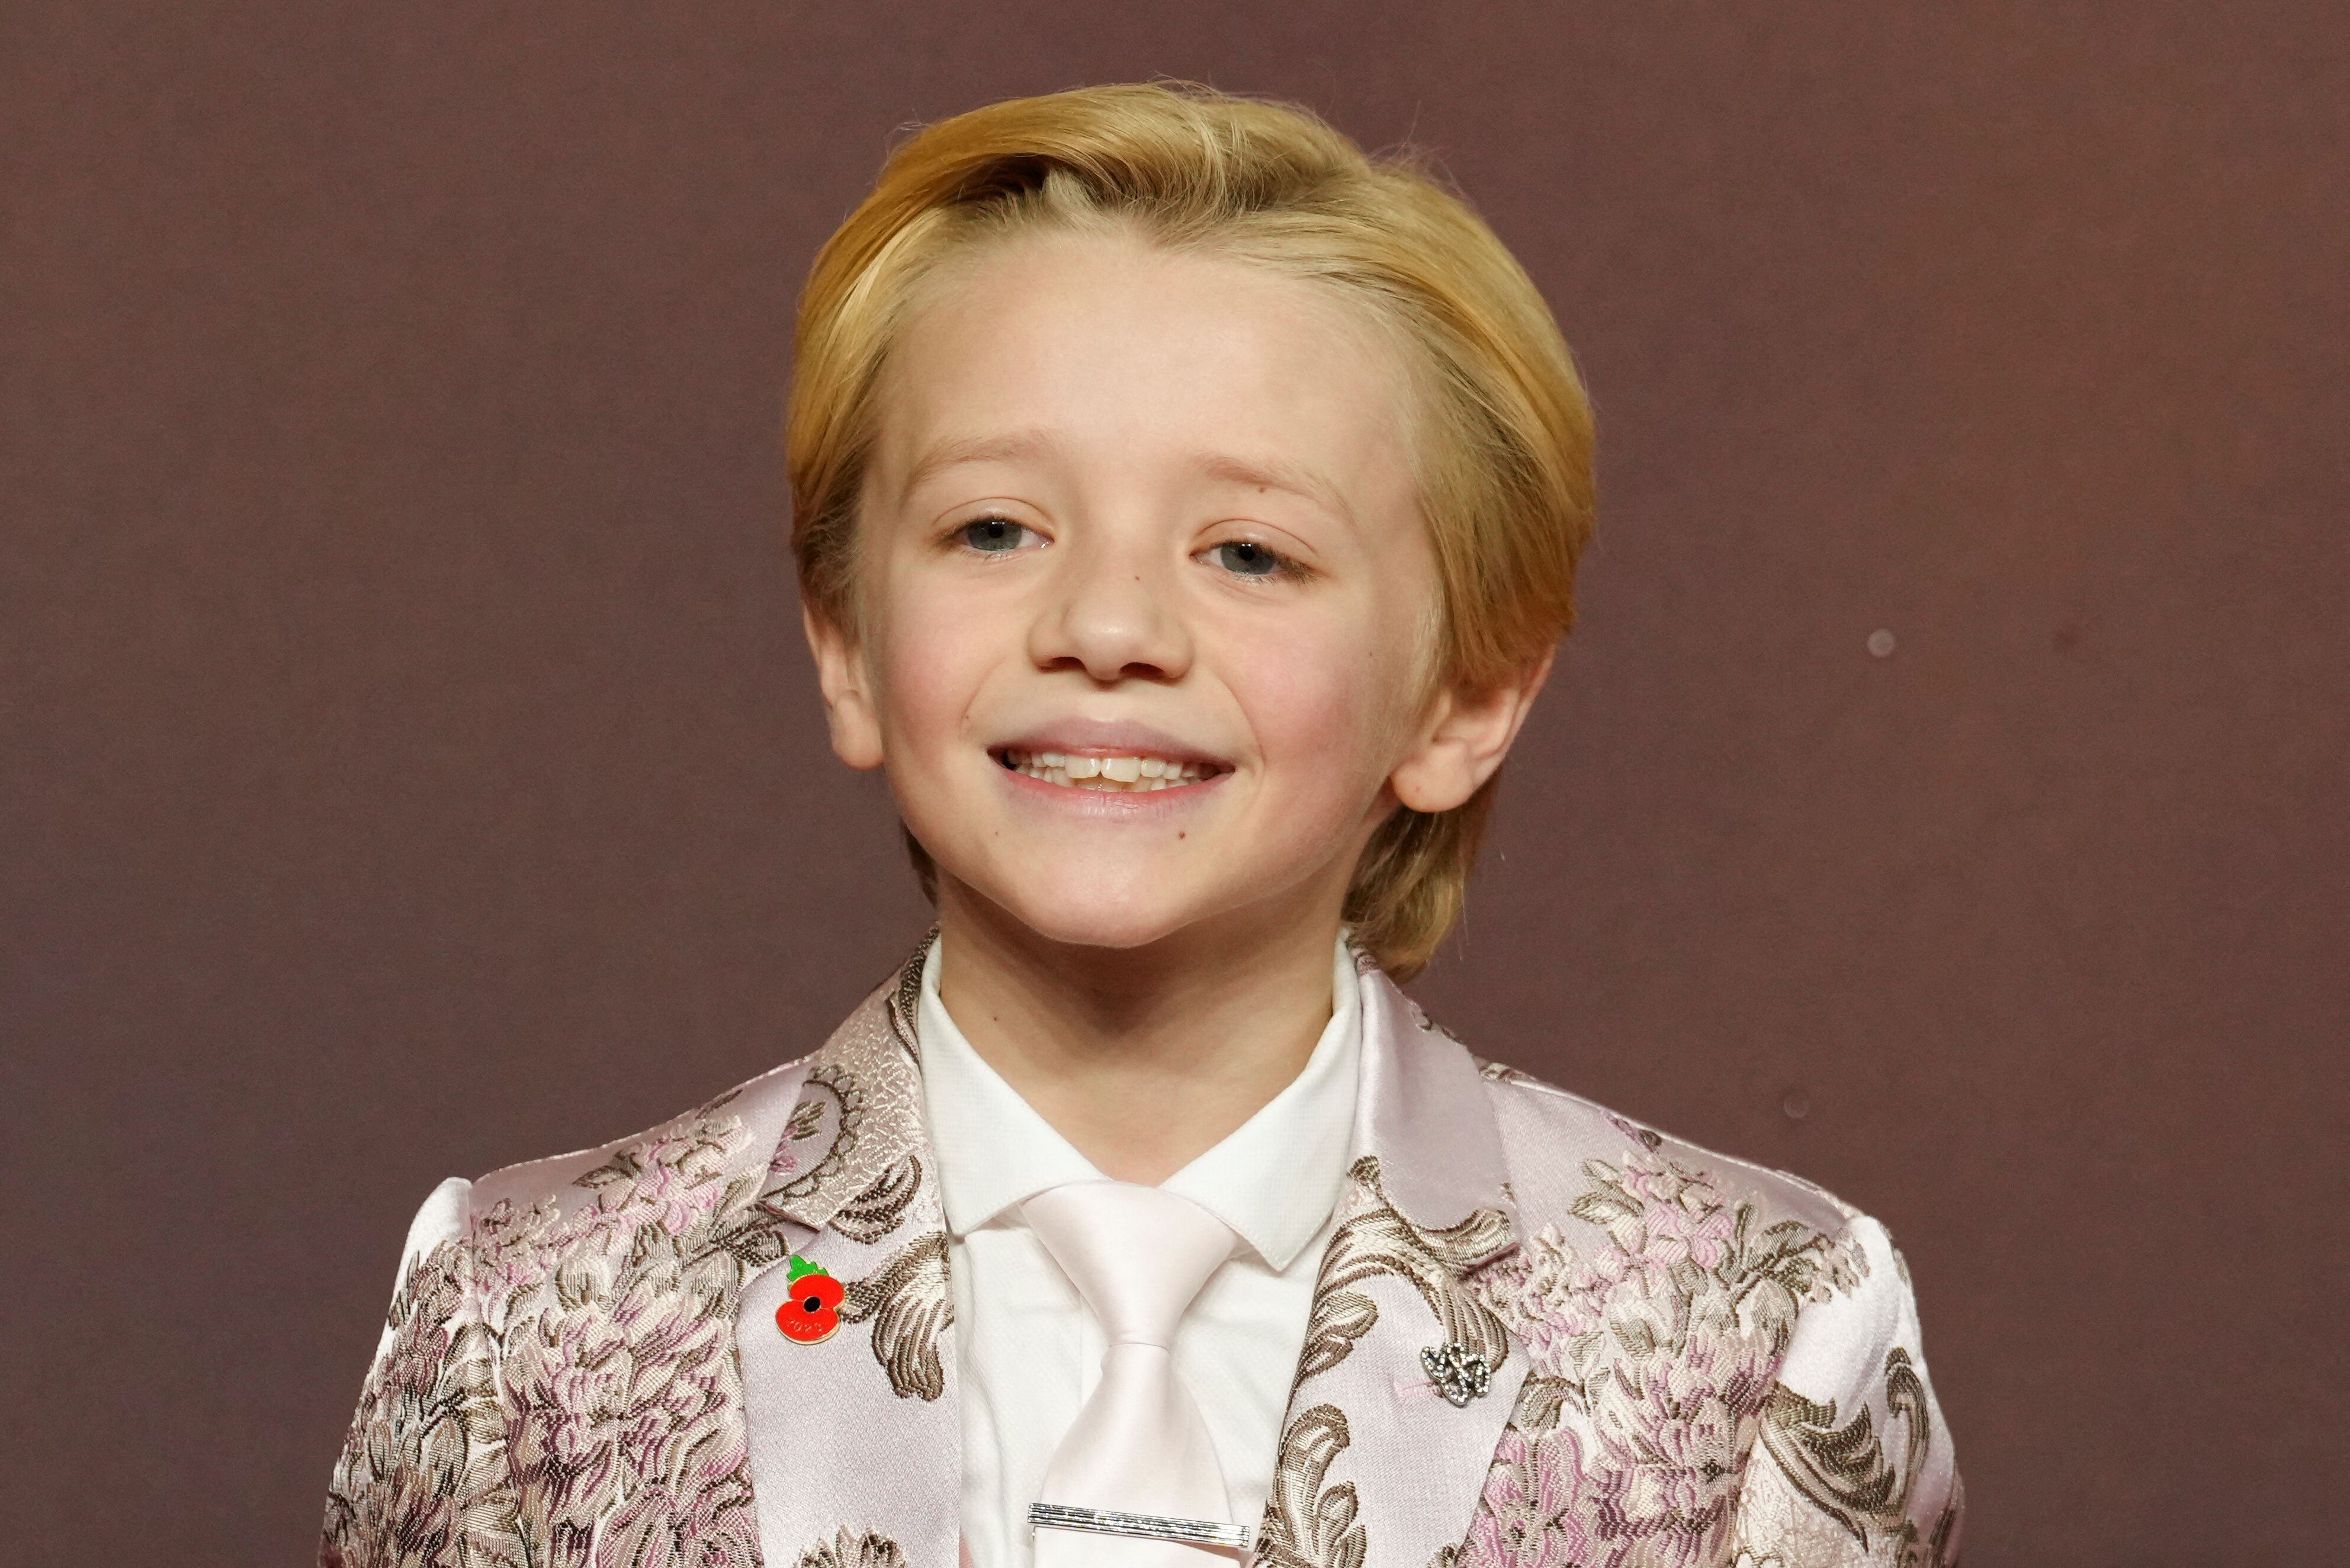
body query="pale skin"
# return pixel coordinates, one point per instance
(1133, 508)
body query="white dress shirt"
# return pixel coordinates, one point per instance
(1029, 1352)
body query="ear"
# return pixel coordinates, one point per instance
(1464, 738)
(847, 680)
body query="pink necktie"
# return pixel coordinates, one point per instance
(1135, 1483)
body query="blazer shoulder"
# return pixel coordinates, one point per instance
(653, 1231)
(1578, 1168)
(1561, 1147)
(567, 1179)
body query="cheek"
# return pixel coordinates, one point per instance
(929, 660)
(1322, 701)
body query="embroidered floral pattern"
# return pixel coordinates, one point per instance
(1653, 1360)
(430, 1481)
(1781, 1521)
(851, 1550)
(881, 1207)
(908, 1303)
(1532, 1513)
(1378, 1238)
(832, 1097)
(566, 1380)
(560, 1389)
(1843, 1467)
(1842, 1471)
(1308, 1525)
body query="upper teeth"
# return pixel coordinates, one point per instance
(1130, 772)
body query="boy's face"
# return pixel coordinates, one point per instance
(1146, 597)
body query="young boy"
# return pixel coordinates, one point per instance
(1186, 509)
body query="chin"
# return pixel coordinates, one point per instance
(1080, 902)
(1093, 923)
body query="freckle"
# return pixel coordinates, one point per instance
(1182, 836)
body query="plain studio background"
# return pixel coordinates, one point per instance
(411, 764)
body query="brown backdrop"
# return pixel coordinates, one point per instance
(411, 767)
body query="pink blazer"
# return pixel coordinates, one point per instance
(1542, 1337)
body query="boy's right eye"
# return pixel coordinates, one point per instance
(994, 536)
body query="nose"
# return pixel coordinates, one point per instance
(1111, 613)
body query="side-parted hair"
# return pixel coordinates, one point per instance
(1501, 426)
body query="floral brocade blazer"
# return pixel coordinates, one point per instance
(1542, 1337)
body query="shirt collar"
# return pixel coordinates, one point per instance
(1275, 1179)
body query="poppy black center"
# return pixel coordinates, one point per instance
(811, 1304)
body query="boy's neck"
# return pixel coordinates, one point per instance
(1142, 1058)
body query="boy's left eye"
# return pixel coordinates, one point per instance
(1247, 558)
(994, 536)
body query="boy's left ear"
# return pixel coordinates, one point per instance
(1464, 738)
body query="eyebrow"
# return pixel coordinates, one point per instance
(954, 453)
(1273, 474)
(1258, 474)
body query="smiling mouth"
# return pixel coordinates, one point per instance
(1134, 775)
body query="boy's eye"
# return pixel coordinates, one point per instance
(994, 536)
(1246, 559)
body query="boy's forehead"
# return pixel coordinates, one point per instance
(1040, 350)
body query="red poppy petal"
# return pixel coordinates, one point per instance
(803, 1327)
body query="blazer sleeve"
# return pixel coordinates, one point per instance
(423, 1476)
(1854, 1465)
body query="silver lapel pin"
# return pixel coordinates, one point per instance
(1459, 1373)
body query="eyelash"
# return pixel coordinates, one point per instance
(960, 534)
(1283, 566)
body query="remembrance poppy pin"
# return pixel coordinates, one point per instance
(812, 1310)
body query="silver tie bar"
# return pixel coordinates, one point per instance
(1148, 1526)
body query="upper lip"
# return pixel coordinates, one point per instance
(1104, 738)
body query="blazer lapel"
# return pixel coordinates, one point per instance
(849, 1385)
(1384, 1453)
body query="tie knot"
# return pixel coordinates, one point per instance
(1137, 1254)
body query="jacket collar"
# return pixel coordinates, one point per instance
(1421, 1111)
(1425, 1113)
(859, 1109)
(1273, 1179)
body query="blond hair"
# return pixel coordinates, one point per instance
(1503, 426)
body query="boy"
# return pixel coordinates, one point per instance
(1186, 509)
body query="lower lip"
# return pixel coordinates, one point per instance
(1108, 802)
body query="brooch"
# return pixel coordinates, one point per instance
(1459, 1373)
(812, 1310)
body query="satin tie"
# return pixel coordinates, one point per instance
(1137, 1255)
